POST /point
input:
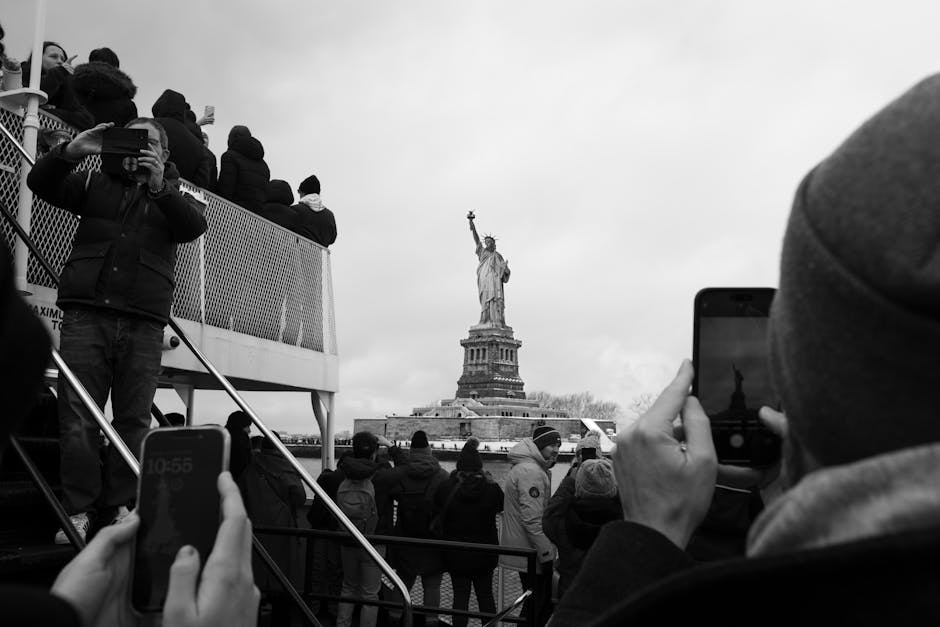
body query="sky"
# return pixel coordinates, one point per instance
(625, 154)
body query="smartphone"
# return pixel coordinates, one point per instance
(178, 504)
(120, 148)
(209, 111)
(732, 372)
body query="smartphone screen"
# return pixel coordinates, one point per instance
(732, 373)
(177, 502)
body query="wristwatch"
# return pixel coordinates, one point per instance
(155, 192)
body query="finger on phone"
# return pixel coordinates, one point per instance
(181, 592)
(665, 409)
(234, 537)
(774, 420)
(107, 541)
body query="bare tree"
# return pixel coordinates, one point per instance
(579, 405)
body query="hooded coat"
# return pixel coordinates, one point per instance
(62, 100)
(106, 92)
(186, 151)
(421, 473)
(277, 206)
(470, 516)
(243, 174)
(314, 221)
(384, 479)
(526, 492)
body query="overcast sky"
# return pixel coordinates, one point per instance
(625, 154)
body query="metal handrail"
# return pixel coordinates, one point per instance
(243, 405)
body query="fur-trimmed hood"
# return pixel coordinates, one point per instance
(97, 80)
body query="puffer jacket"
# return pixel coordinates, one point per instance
(526, 490)
(277, 206)
(106, 91)
(314, 221)
(187, 152)
(243, 174)
(421, 473)
(470, 516)
(62, 101)
(124, 252)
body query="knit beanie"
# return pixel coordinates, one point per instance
(419, 440)
(855, 324)
(591, 439)
(469, 459)
(543, 436)
(310, 185)
(595, 479)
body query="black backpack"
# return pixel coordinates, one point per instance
(415, 512)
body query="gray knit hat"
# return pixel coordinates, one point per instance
(855, 324)
(595, 478)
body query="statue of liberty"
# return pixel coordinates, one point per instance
(492, 272)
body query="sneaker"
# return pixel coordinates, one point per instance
(80, 522)
(122, 513)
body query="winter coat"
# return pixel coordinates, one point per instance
(384, 480)
(210, 165)
(187, 152)
(62, 102)
(470, 517)
(124, 252)
(314, 221)
(106, 92)
(421, 473)
(572, 524)
(273, 493)
(277, 209)
(243, 174)
(526, 490)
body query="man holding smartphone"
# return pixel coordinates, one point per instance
(115, 292)
(854, 538)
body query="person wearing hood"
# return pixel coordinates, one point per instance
(115, 293)
(852, 536)
(467, 505)
(243, 174)
(582, 504)
(103, 89)
(420, 477)
(56, 81)
(527, 489)
(362, 577)
(186, 151)
(278, 199)
(313, 220)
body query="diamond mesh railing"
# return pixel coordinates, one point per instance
(244, 274)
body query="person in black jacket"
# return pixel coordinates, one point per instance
(277, 205)
(103, 89)
(186, 151)
(243, 174)
(56, 81)
(467, 505)
(854, 339)
(313, 220)
(115, 292)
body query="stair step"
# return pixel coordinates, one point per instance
(33, 563)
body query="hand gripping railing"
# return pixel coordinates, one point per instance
(128, 457)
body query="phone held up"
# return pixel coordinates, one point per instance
(178, 504)
(732, 373)
(120, 148)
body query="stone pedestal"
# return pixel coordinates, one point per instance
(490, 364)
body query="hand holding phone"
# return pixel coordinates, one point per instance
(121, 148)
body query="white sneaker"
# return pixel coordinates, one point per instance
(80, 522)
(122, 513)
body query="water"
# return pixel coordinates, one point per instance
(497, 468)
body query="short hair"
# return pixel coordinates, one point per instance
(164, 140)
(104, 55)
(364, 444)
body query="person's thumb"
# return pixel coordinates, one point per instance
(180, 605)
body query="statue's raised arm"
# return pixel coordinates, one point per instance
(473, 228)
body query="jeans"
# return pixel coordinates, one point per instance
(482, 585)
(326, 574)
(109, 352)
(363, 579)
(430, 591)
